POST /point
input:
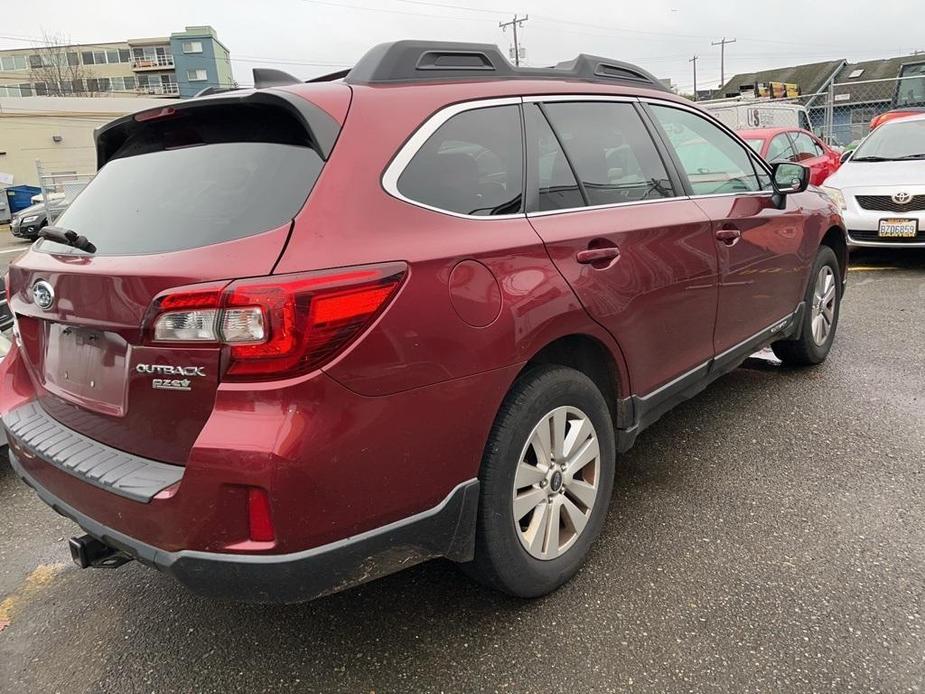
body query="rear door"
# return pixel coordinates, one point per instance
(638, 253)
(760, 264)
(201, 195)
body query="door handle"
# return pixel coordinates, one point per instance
(728, 236)
(598, 257)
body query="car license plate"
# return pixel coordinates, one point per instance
(898, 228)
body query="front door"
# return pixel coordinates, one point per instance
(761, 256)
(638, 253)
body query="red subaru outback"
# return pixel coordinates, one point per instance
(293, 338)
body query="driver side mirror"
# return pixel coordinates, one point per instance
(789, 178)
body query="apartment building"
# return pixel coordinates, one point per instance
(179, 65)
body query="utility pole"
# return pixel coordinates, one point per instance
(694, 61)
(722, 57)
(514, 23)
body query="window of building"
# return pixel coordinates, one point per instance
(77, 86)
(99, 57)
(26, 90)
(129, 83)
(73, 59)
(472, 164)
(35, 60)
(611, 151)
(87, 58)
(112, 55)
(41, 89)
(714, 162)
(125, 56)
(93, 85)
(192, 46)
(104, 84)
(199, 75)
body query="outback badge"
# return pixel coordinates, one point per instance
(183, 383)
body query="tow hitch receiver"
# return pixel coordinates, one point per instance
(89, 552)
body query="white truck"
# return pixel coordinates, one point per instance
(752, 114)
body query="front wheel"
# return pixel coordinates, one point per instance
(820, 319)
(546, 480)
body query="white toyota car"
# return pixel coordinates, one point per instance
(881, 187)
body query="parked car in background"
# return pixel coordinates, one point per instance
(271, 392)
(879, 120)
(799, 146)
(881, 187)
(27, 222)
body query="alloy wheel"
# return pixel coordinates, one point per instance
(556, 483)
(823, 308)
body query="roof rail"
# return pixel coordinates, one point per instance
(414, 61)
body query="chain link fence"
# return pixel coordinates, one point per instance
(59, 188)
(841, 114)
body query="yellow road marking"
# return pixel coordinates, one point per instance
(870, 268)
(38, 579)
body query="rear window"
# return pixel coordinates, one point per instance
(217, 175)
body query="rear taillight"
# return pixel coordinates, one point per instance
(277, 326)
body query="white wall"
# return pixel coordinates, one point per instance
(28, 126)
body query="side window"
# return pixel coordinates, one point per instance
(557, 188)
(781, 149)
(805, 146)
(714, 162)
(611, 150)
(472, 164)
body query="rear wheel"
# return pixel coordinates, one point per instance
(546, 481)
(820, 319)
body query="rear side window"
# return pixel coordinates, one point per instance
(472, 164)
(611, 150)
(194, 180)
(715, 163)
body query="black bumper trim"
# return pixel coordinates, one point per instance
(447, 530)
(34, 431)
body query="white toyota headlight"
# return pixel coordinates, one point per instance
(837, 197)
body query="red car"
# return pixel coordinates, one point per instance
(799, 146)
(877, 121)
(293, 338)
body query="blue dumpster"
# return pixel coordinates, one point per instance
(20, 197)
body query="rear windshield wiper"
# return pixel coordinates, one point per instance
(68, 238)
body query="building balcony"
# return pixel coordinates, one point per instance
(168, 89)
(152, 62)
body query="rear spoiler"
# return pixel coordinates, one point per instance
(320, 126)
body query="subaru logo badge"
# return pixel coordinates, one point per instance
(901, 198)
(43, 294)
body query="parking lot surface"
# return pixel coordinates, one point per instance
(767, 536)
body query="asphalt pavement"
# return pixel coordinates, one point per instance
(767, 536)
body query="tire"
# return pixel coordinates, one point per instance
(539, 401)
(809, 349)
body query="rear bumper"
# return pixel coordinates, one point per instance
(445, 530)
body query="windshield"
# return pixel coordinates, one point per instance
(755, 144)
(194, 196)
(901, 139)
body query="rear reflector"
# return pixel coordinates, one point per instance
(277, 326)
(258, 515)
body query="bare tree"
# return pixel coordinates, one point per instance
(55, 68)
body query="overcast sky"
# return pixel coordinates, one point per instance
(311, 37)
